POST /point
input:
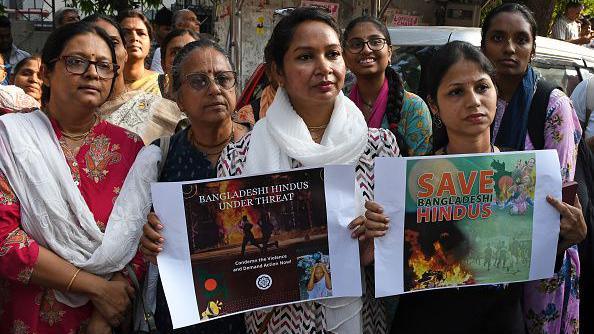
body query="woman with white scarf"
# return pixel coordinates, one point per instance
(63, 244)
(310, 123)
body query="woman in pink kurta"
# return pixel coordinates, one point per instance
(508, 40)
(99, 168)
(97, 158)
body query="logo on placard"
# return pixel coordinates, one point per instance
(263, 282)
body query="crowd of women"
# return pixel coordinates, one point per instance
(75, 172)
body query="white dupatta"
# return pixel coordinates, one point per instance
(53, 211)
(283, 135)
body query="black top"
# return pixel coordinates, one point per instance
(585, 179)
(480, 309)
(185, 163)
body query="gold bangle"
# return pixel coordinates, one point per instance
(72, 280)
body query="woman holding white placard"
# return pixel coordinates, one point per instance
(462, 93)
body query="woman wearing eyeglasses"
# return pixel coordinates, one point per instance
(379, 91)
(148, 115)
(204, 86)
(61, 170)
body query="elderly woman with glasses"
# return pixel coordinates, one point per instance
(203, 85)
(379, 91)
(61, 170)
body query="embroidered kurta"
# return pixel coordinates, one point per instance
(148, 115)
(415, 126)
(98, 169)
(552, 306)
(308, 317)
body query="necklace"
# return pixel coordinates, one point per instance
(218, 147)
(317, 132)
(317, 128)
(368, 104)
(445, 149)
(80, 136)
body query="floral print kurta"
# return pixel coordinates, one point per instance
(415, 125)
(98, 169)
(552, 306)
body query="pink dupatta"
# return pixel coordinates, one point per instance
(379, 106)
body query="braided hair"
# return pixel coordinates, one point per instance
(394, 106)
(395, 85)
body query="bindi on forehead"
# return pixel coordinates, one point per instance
(89, 46)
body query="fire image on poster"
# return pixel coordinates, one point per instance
(254, 241)
(268, 229)
(468, 221)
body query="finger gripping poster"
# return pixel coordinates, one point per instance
(253, 241)
(469, 220)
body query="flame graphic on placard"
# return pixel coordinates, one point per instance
(229, 219)
(437, 270)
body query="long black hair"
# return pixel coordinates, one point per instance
(441, 62)
(395, 84)
(56, 42)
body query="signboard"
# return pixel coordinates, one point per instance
(468, 220)
(405, 20)
(244, 243)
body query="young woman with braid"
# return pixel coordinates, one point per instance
(379, 91)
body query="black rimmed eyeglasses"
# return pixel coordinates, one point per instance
(356, 45)
(79, 65)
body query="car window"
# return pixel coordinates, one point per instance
(562, 74)
(406, 62)
(586, 72)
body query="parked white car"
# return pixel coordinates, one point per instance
(559, 62)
